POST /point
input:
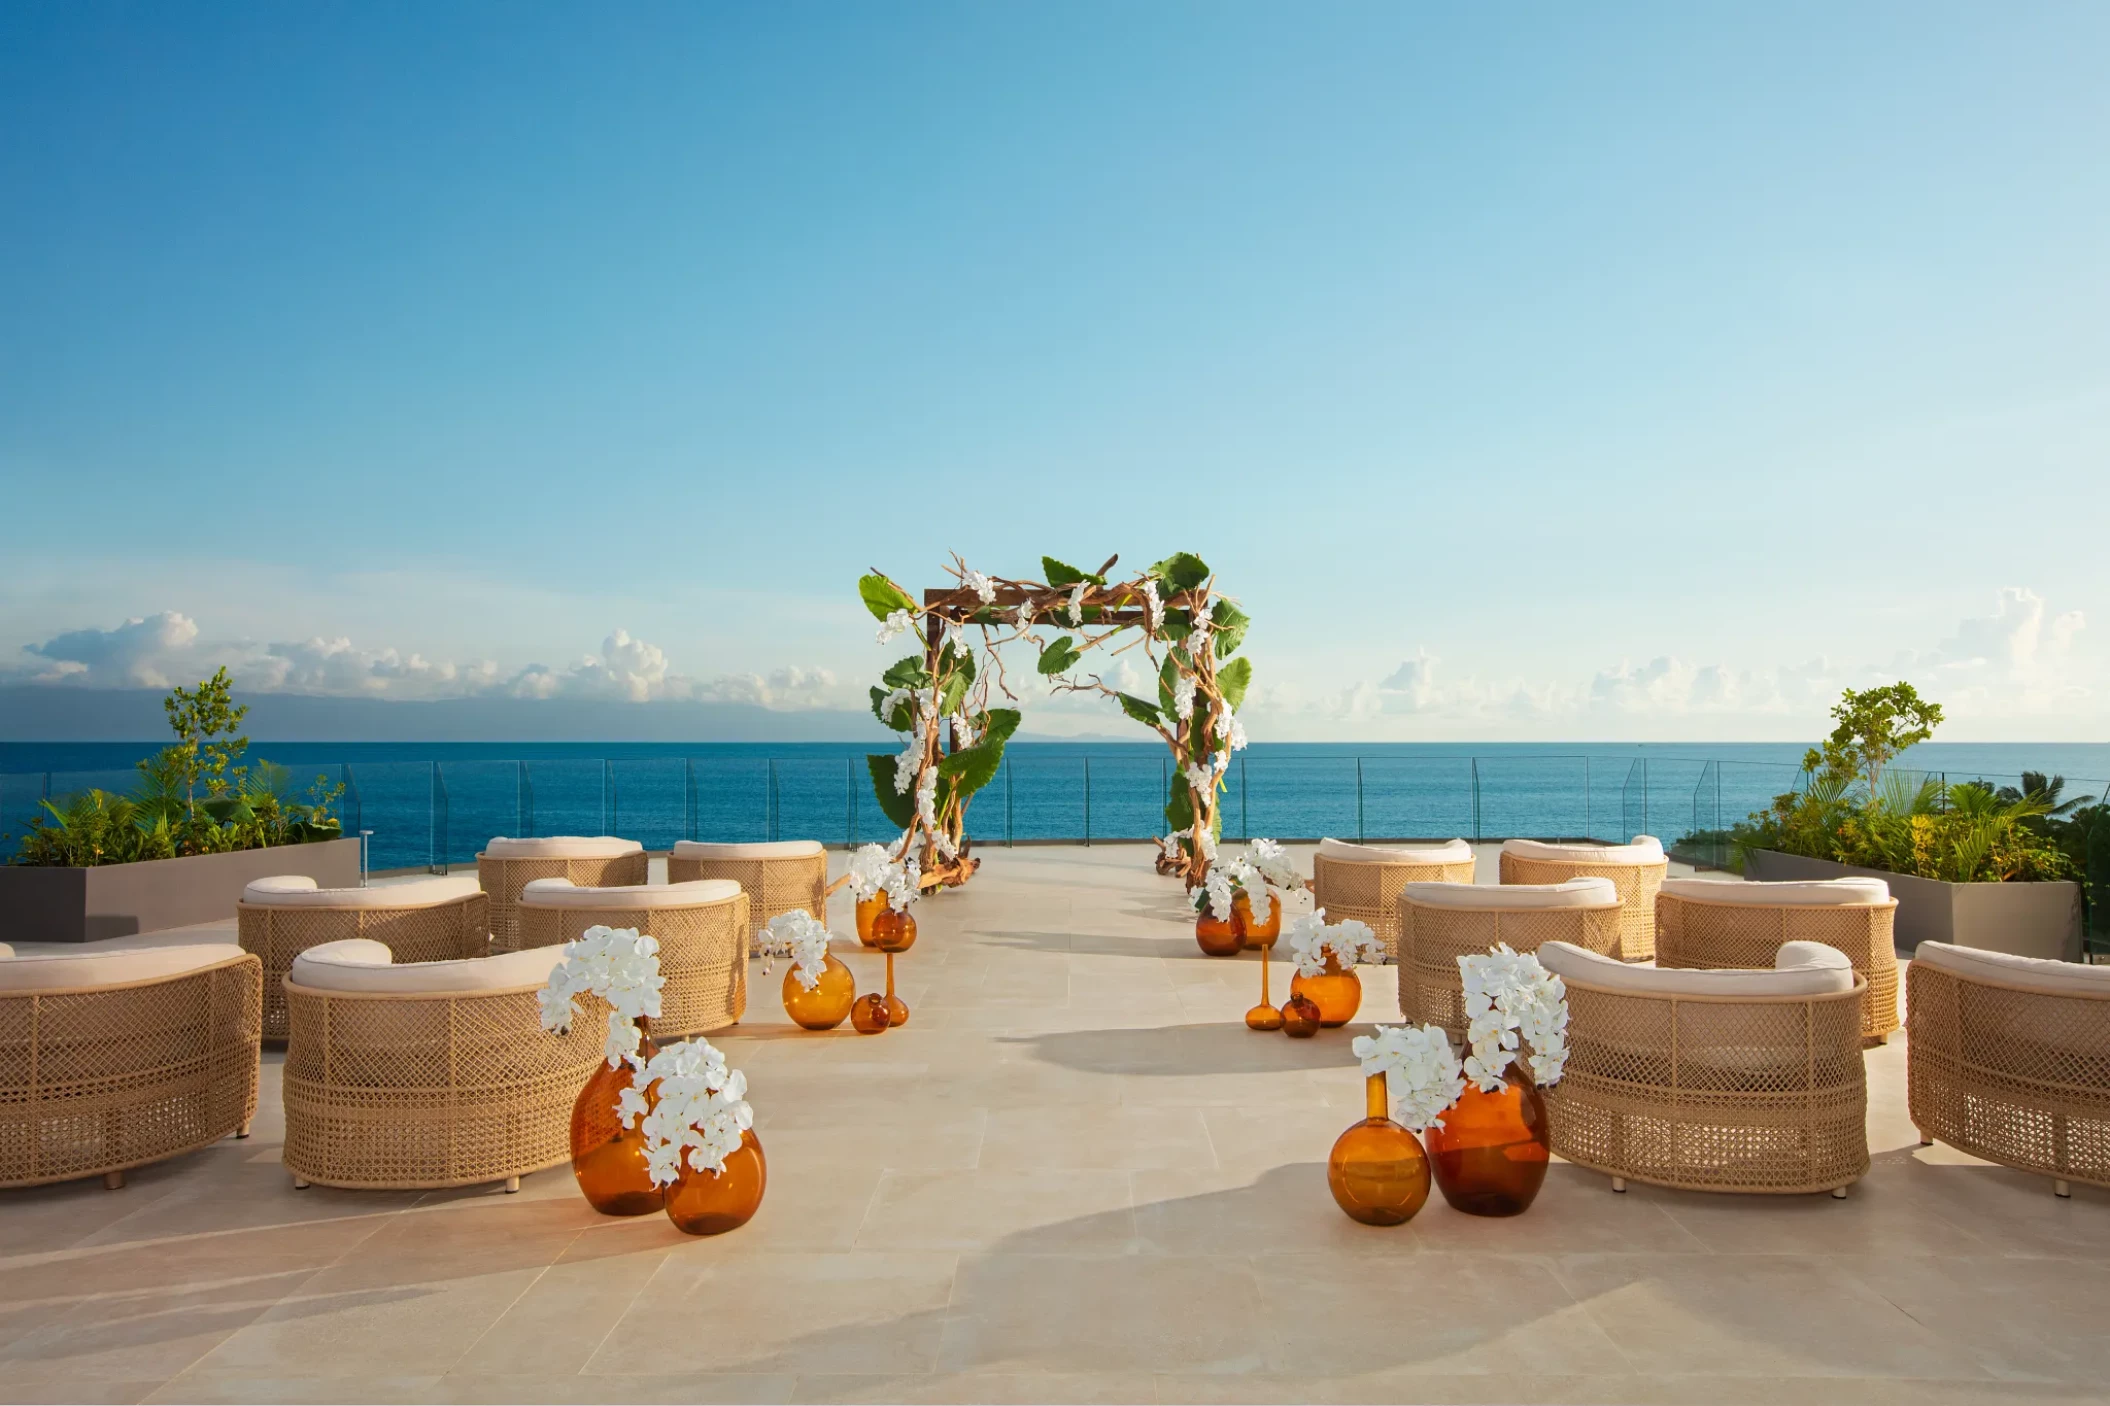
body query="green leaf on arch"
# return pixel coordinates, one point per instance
(1059, 657)
(882, 597)
(899, 809)
(1182, 571)
(1233, 679)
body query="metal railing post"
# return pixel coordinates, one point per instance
(688, 796)
(1087, 802)
(520, 797)
(432, 821)
(1007, 800)
(1245, 815)
(849, 803)
(1476, 799)
(772, 801)
(47, 785)
(1588, 833)
(607, 785)
(1644, 798)
(1358, 799)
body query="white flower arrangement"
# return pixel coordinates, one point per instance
(1511, 1000)
(1274, 864)
(1422, 1073)
(619, 965)
(873, 871)
(897, 622)
(1183, 696)
(697, 1107)
(1350, 941)
(1171, 846)
(799, 936)
(1220, 889)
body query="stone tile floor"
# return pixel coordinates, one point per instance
(1073, 1176)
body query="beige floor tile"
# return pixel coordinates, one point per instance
(691, 1387)
(996, 1387)
(1138, 1313)
(1751, 1315)
(216, 1387)
(147, 1334)
(879, 1138)
(2031, 1319)
(1087, 1139)
(558, 1323)
(462, 1240)
(183, 1261)
(347, 1328)
(1020, 1212)
(87, 1393)
(770, 1313)
(1576, 1211)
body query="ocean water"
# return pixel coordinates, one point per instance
(437, 804)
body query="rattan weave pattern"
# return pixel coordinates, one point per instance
(1637, 885)
(448, 1089)
(102, 1079)
(1369, 891)
(503, 879)
(2017, 1077)
(1432, 939)
(1706, 935)
(1765, 1094)
(439, 932)
(702, 954)
(773, 886)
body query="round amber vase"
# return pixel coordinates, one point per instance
(711, 1203)
(1490, 1151)
(894, 932)
(868, 910)
(827, 1005)
(1336, 991)
(1377, 1170)
(869, 1016)
(1300, 1016)
(1218, 937)
(607, 1158)
(1256, 934)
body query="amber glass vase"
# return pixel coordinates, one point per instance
(827, 1005)
(1336, 991)
(1490, 1151)
(1377, 1171)
(870, 1016)
(1218, 937)
(1252, 933)
(1300, 1016)
(607, 1158)
(711, 1203)
(868, 911)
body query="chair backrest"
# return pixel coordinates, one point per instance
(1794, 893)
(361, 966)
(563, 893)
(561, 847)
(126, 966)
(1645, 849)
(775, 849)
(1572, 893)
(2038, 974)
(300, 891)
(1800, 971)
(1449, 852)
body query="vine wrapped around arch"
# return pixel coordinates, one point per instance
(948, 699)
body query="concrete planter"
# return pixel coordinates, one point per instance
(2029, 920)
(117, 900)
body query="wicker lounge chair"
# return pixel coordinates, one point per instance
(1439, 923)
(702, 929)
(1636, 869)
(1709, 924)
(784, 877)
(1363, 881)
(1745, 1081)
(427, 920)
(2008, 1058)
(508, 866)
(112, 1060)
(430, 1074)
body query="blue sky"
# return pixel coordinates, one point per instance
(1546, 372)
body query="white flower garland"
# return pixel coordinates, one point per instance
(1153, 606)
(1350, 941)
(1421, 1071)
(874, 870)
(1510, 999)
(698, 1106)
(1274, 864)
(1183, 696)
(619, 965)
(799, 936)
(1077, 603)
(981, 585)
(897, 622)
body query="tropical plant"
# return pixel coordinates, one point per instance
(1874, 726)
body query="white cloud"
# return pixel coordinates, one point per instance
(130, 656)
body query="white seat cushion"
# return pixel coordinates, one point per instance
(781, 849)
(299, 891)
(561, 847)
(66, 971)
(359, 965)
(1794, 893)
(1575, 893)
(562, 893)
(1452, 852)
(1800, 969)
(6, 951)
(2039, 974)
(1646, 849)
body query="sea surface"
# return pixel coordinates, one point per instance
(436, 804)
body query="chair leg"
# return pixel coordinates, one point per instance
(1619, 1183)
(241, 1132)
(1838, 1193)
(300, 1183)
(115, 1181)
(2058, 1188)
(512, 1185)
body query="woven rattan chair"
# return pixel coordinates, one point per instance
(432, 1074)
(784, 877)
(591, 861)
(1746, 1081)
(426, 920)
(1439, 923)
(2008, 1058)
(1363, 881)
(702, 929)
(1711, 924)
(1637, 871)
(112, 1060)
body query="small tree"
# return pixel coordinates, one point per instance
(204, 720)
(1875, 725)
